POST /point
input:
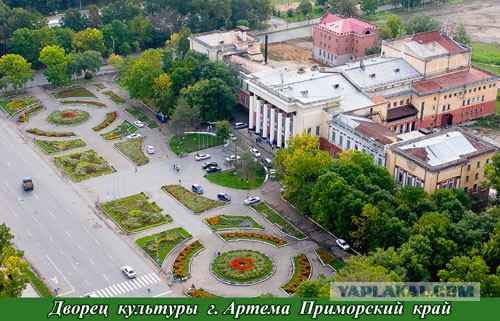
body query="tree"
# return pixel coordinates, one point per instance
(88, 39)
(421, 23)
(184, 116)
(461, 35)
(56, 61)
(140, 30)
(345, 8)
(74, 20)
(222, 129)
(115, 34)
(492, 171)
(121, 10)
(304, 8)
(140, 79)
(25, 42)
(369, 7)
(313, 288)
(17, 69)
(14, 273)
(361, 269)
(88, 62)
(395, 26)
(115, 60)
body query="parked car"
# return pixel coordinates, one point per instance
(255, 152)
(343, 244)
(150, 149)
(232, 137)
(199, 157)
(272, 173)
(283, 189)
(251, 200)
(233, 158)
(162, 118)
(208, 164)
(91, 295)
(267, 162)
(213, 169)
(197, 189)
(240, 125)
(27, 184)
(224, 197)
(134, 136)
(139, 123)
(129, 272)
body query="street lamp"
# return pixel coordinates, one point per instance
(157, 254)
(114, 51)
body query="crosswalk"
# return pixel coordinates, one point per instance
(127, 286)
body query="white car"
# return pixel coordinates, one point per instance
(139, 123)
(91, 295)
(150, 149)
(240, 125)
(134, 136)
(232, 137)
(255, 152)
(343, 244)
(233, 158)
(129, 272)
(199, 157)
(252, 200)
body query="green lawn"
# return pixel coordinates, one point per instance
(192, 201)
(329, 259)
(114, 97)
(189, 143)
(163, 242)
(126, 128)
(15, 105)
(227, 178)
(84, 165)
(279, 220)
(132, 149)
(489, 67)
(73, 92)
(40, 287)
(57, 146)
(68, 117)
(135, 213)
(145, 119)
(486, 53)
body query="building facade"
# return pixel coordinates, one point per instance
(451, 158)
(337, 40)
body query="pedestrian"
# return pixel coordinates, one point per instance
(174, 167)
(177, 169)
(149, 289)
(218, 253)
(135, 169)
(179, 182)
(192, 286)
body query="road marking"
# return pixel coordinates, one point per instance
(34, 217)
(57, 269)
(78, 246)
(61, 251)
(36, 196)
(127, 286)
(101, 294)
(8, 164)
(130, 285)
(38, 244)
(74, 267)
(92, 261)
(97, 242)
(67, 233)
(146, 278)
(168, 292)
(110, 257)
(87, 282)
(114, 287)
(108, 292)
(14, 213)
(51, 239)
(104, 276)
(69, 211)
(122, 290)
(110, 289)
(24, 160)
(51, 214)
(38, 176)
(86, 229)
(155, 277)
(53, 193)
(29, 233)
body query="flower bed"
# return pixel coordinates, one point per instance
(301, 273)
(192, 201)
(83, 165)
(328, 259)
(68, 117)
(181, 263)
(26, 115)
(83, 102)
(271, 239)
(140, 116)
(278, 220)
(114, 97)
(219, 222)
(38, 132)
(126, 128)
(15, 105)
(73, 92)
(135, 213)
(100, 86)
(110, 118)
(242, 267)
(200, 293)
(132, 149)
(56, 146)
(159, 245)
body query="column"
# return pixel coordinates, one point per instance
(287, 130)
(257, 116)
(264, 125)
(251, 115)
(271, 125)
(280, 129)
(294, 125)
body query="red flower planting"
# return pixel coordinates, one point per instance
(242, 264)
(68, 114)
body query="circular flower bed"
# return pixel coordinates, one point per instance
(242, 267)
(68, 117)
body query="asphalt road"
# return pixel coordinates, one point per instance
(61, 234)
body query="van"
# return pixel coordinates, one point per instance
(162, 118)
(197, 189)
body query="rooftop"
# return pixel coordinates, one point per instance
(443, 148)
(368, 128)
(337, 25)
(311, 87)
(377, 72)
(221, 38)
(452, 80)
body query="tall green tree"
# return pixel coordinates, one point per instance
(74, 20)
(492, 171)
(17, 69)
(345, 8)
(185, 116)
(421, 23)
(88, 39)
(14, 273)
(461, 35)
(369, 7)
(56, 61)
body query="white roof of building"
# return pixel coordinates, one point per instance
(443, 148)
(426, 50)
(221, 38)
(377, 72)
(309, 87)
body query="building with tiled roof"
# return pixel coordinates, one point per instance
(452, 158)
(337, 40)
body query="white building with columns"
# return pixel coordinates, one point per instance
(284, 102)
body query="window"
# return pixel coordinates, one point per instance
(333, 137)
(346, 39)
(435, 98)
(389, 105)
(487, 161)
(444, 107)
(466, 189)
(468, 167)
(476, 176)
(317, 130)
(445, 96)
(309, 131)
(348, 144)
(336, 39)
(467, 178)
(433, 107)
(395, 104)
(341, 140)
(345, 48)
(478, 164)
(445, 184)
(401, 102)
(329, 37)
(321, 43)
(474, 188)
(449, 106)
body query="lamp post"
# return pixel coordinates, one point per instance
(157, 254)
(113, 39)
